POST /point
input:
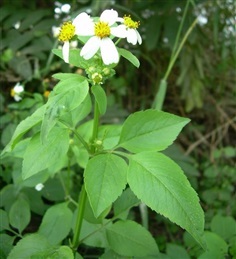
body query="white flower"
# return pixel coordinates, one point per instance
(39, 187)
(131, 26)
(101, 32)
(68, 31)
(16, 92)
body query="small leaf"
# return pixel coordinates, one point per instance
(19, 215)
(150, 130)
(161, 184)
(100, 97)
(173, 250)
(4, 220)
(128, 238)
(65, 76)
(62, 252)
(129, 56)
(74, 57)
(56, 223)
(224, 226)
(215, 245)
(40, 156)
(69, 94)
(94, 234)
(25, 126)
(125, 202)
(28, 246)
(105, 178)
(6, 245)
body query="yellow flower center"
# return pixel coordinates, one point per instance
(102, 30)
(67, 31)
(13, 93)
(130, 23)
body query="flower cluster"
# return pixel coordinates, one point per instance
(17, 91)
(101, 32)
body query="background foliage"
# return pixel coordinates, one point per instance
(201, 86)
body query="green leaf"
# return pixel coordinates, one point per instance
(129, 56)
(216, 246)
(160, 183)
(69, 94)
(19, 214)
(128, 238)
(25, 126)
(40, 156)
(124, 203)
(109, 134)
(65, 76)
(4, 220)
(224, 226)
(105, 178)
(56, 223)
(94, 234)
(100, 97)
(28, 246)
(6, 245)
(62, 252)
(74, 57)
(174, 251)
(150, 130)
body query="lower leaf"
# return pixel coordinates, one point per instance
(161, 184)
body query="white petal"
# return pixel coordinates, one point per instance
(109, 16)
(84, 25)
(109, 52)
(132, 36)
(139, 37)
(18, 88)
(17, 98)
(90, 47)
(119, 31)
(65, 51)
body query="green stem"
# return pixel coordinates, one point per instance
(83, 195)
(95, 125)
(172, 62)
(180, 28)
(81, 207)
(160, 96)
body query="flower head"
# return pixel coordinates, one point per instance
(100, 33)
(131, 26)
(16, 92)
(39, 187)
(68, 30)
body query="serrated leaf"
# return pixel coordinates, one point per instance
(40, 156)
(129, 56)
(19, 214)
(150, 130)
(128, 238)
(28, 246)
(160, 183)
(53, 224)
(100, 97)
(25, 126)
(105, 178)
